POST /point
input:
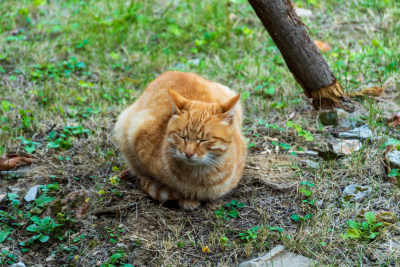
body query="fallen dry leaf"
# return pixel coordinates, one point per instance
(322, 46)
(395, 121)
(8, 162)
(373, 91)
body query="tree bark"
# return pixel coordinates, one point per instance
(300, 53)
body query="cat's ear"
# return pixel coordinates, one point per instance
(177, 101)
(228, 109)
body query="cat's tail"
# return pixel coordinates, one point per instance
(159, 191)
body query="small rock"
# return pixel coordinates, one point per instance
(394, 159)
(51, 258)
(346, 147)
(311, 153)
(279, 257)
(32, 193)
(2, 198)
(14, 189)
(346, 161)
(311, 163)
(355, 193)
(122, 246)
(340, 119)
(362, 133)
(19, 264)
(302, 12)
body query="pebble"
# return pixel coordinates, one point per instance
(51, 258)
(362, 133)
(279, 257)
(340, 119)
(355, 193)
(394, 159)
(346, 147)
(311, 163)
(302, 12)
(32, 193)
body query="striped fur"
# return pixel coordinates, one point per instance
(182, 139)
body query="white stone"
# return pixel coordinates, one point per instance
(279, 257)
(394, 159)
(14, 189)
(311, 163)
(302, 12)
(32, 193)
(362, 133)
(51, 258)
(19, 264)
(346, 147)
(339, 119)
(355, 193)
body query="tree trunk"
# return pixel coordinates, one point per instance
(302, 56)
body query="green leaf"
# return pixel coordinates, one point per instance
(33, 228)
(289, 123)
(284, 146)
(372, 235)
(35, 218)
(352, 224)
(3, 235)
(44, 238)
(240, 205)
(245, 96)
(30, 149)
(370, 217)
(270, 90)
(377, 225)
(5, 105)
(12, 196)
(233, 213)
(353, 233)
(295, 217)
(391, 142)
(43, 199)
(115, 257)
(394, 173)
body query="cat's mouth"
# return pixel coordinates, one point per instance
(192, 161)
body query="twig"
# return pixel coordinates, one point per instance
(114, 208)
(51, 129)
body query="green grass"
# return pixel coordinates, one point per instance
(80, 63)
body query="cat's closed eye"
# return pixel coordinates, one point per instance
(182, 137)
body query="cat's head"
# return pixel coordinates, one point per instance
(200, 133)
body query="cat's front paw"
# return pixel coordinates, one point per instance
(188, 204)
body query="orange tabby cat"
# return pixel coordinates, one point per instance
(182, 139)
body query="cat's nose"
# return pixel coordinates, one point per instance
(189, 154)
